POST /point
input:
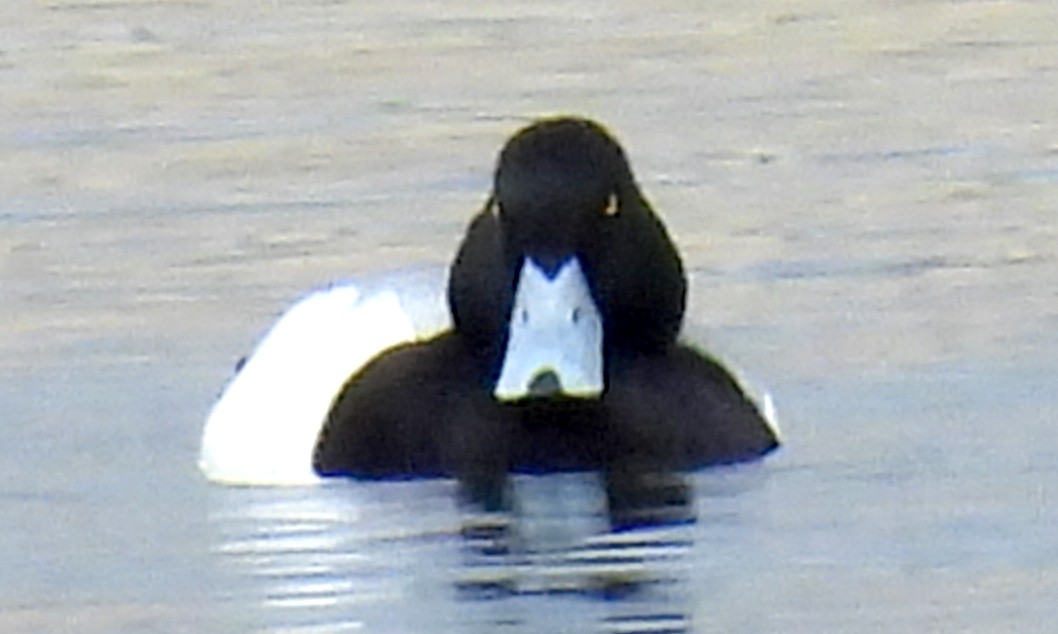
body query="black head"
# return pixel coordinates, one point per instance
(564, 198)
(557, 184)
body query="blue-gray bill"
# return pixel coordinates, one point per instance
(555, 342)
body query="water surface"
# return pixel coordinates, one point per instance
(862, 192)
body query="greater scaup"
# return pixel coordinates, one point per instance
(566, 298)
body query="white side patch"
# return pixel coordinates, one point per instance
(263, 429)
(771, 415)
(555, 327)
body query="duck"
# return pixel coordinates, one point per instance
(551, 344)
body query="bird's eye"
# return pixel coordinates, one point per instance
(611, 205)
(575, 315)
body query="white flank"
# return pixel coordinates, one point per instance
(263, 428)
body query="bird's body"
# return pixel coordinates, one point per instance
(566, 297)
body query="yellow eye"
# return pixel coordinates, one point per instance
(611, 205)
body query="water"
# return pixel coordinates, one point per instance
(920, 500)
(862, 192)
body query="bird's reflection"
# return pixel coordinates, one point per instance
(614, 539)
(574, 552)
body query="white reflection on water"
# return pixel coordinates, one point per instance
(303, 559)
(401, 557)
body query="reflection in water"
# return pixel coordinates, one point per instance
(320, 559)
(402, 557)
(558, 544)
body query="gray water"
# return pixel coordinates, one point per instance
(921, 501)
(863, 193)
